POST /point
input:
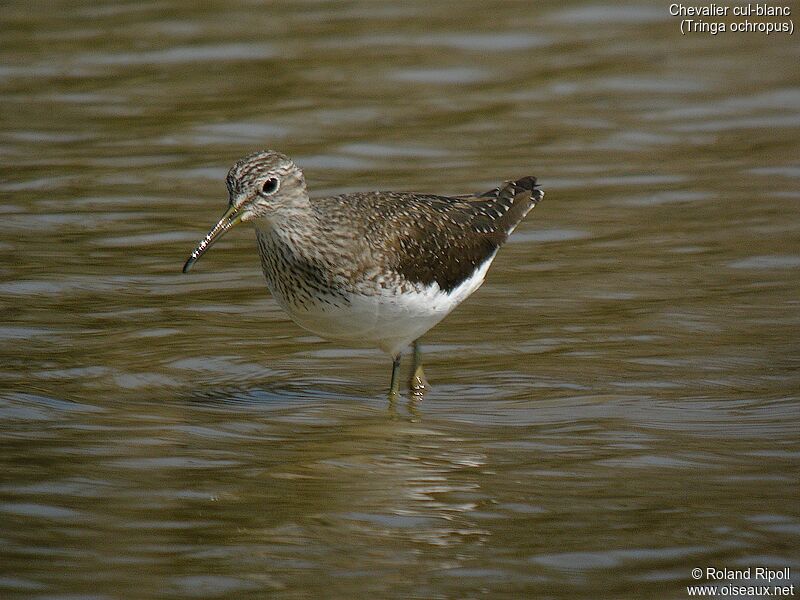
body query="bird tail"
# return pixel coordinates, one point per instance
(512, 200)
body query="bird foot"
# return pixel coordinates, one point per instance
(418, 383)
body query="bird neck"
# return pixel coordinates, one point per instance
(295, 229)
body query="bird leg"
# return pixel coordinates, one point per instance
(394, 386)
(418, 383)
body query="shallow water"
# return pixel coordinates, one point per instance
(617, 405)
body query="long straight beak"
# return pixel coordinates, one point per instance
(228, 220)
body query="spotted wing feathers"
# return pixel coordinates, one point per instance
(445, 239)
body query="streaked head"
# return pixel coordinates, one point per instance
(265, 184)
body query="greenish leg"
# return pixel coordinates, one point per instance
(418, 382)
(394, 387)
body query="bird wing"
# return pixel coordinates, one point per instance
(444, 239)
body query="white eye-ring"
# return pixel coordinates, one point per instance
(270, 186)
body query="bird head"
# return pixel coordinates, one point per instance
(264, 185)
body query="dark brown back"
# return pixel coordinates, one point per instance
(445, 239)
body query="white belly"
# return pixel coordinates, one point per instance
(390, 321)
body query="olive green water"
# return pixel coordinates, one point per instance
(617, 405)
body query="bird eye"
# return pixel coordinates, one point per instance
(270, 186)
